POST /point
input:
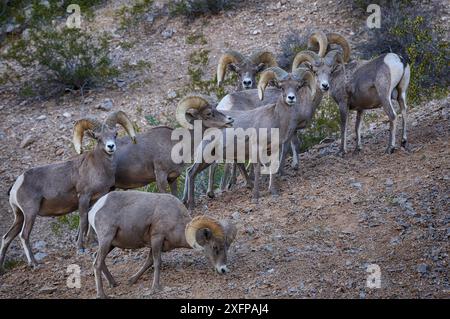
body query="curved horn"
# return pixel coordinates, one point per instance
(304, 56)
(190, 102)
(265, 57)
(78, 131)
(227, 58)
(342, 42)
(121, 118)
(201, 222)
(334, 56)
(268, 75)
(306, 75)
(318, 39)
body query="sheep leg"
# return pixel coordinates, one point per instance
(156, 252)
(225, 176)
(174, 187)
(295, 147)
(29, 218)
(211, 174)
(389, 109)
(248, 180)
(343, 110)
(257, 170)
(148, 263)
(161, 180)
(358, 123)
(404, 108)
(12, 233)
(186, 186)
(83, 208)
(112, 282)
(233, 177)
(284, 150)
(99, 263)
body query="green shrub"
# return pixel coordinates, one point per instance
(69, 57)
(131, 16)
(325, 124)
(192, 9)
(412, 30)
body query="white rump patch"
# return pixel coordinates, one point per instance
(395, 67)
(13, 194)
(97, 206)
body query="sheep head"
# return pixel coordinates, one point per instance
(200, 107)
(289, 83)
(104, 133)
(213, 238)
(245, 68)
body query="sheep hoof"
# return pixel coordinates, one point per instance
(295, 166)
(390, 149)
(357, 151)
(342, 153)
(113, 284)
(102, 296)
(211, 194)
(132, 281)
(155, 289)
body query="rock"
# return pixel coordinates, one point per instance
(357, 185)
(250, 230)
(59, 152)
(291, 250)
(67, 115)
(39, 245)
(41, 117)
(27, 141)
(268, 248)
(150, 17)
(422, 268)
(106, 105)
(389, 182)
(40, 255)
(236, 215)
(120, 83)
(48, 290)
(256, 32)
(270, 271)
(2, 135)
(172, 94)
(167, 33)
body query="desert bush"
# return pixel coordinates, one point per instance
(410, 29)
(292, 43)
(70, 58)
(192, 9)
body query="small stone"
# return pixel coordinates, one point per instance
(422, 268)
(40, 255)
(27, 141)
(150, 18)
(256, 32)
(167, 33)
(172, 94)
(389, 182)
(59, 152)
(67, 115)
(48, 290)
(39, 245)
(270, 271)
(236, 215)
(41, 117)
(357, 185)
(106, 105)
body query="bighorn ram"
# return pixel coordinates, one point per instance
(245, 67)
(294, 103)
(150, 159)
(131, 220)
(62, 188)
(361, 85)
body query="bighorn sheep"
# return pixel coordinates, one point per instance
(62, 188)
(133, 219)
(245, 67)
(294, 103)
(361, 85)
(150, 159)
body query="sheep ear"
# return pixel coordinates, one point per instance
(91, 134)
(203, 236)
(232, 67)
(260, 67)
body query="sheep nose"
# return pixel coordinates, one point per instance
(291, 97)
(325, 86)
(110, 146)
(247, 83)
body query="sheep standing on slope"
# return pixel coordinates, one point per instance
(59, 189)
(362, 85)
(133, 219)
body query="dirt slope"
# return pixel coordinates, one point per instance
(334, 217)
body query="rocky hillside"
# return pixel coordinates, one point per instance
(335, 216)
